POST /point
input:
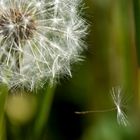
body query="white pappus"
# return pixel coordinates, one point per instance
(118, 102)
(39, 40)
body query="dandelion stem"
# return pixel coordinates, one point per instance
(136, 5)
(43, 115)
(3, 95)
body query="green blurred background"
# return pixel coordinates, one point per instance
(111, 60)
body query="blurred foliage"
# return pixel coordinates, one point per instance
(111, 60)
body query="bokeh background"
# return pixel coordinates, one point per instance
(112, 59)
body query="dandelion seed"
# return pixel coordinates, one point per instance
(117, 98)
(39, 40)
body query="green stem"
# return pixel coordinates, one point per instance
(43, 115)
(136, 6)
(3, 95)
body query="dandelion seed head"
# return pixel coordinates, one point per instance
(39, 40)
(117, 98)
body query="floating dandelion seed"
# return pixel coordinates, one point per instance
(39, 40)
(117, 98)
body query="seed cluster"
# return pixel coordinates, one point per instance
(39, 40)
(16, 25)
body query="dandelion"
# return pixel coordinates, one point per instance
(39, 40)
(117, 98)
